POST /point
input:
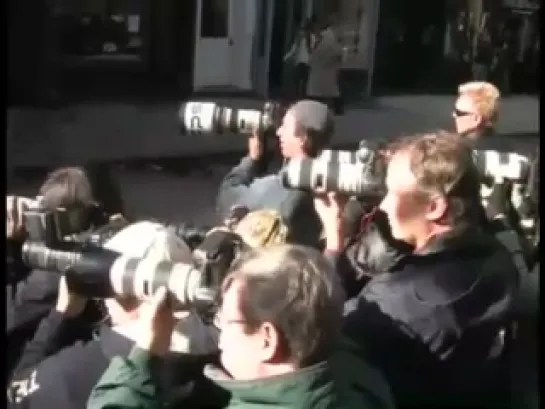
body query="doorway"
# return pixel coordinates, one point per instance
(409, 49)
(214, 42)
(172, 46)
(184, 13)
(278, 40)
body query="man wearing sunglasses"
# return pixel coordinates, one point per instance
(476, 109)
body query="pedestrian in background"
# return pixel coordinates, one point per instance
(325, 62)
(298, 56)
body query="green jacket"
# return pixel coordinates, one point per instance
(343, 382)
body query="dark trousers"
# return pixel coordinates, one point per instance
(300, 80)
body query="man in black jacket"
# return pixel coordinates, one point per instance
(436, 324)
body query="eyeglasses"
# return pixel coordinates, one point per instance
(220, 322)
(459, 113)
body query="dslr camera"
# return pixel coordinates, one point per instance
(132, 263)
(58, 229)
(71, 228)
(209, 117)
(55, 228)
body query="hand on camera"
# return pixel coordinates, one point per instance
(255, 145)
(330, 208)
(69, 304)
(236, 214)
(15, 206)
(156, 324)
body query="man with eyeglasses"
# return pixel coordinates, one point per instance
(280, 320)
(435, 323)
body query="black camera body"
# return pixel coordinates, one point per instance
(58, 229)
(52, 227)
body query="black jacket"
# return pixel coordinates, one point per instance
(436, 323)
(49, 375)
(28, 301)
(373, 250)
(241, 187)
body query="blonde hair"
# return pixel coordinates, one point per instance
(485, 96)
(262, 228)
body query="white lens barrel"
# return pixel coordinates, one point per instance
(141, 278)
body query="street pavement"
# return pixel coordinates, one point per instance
(115, 131)
(159, 189)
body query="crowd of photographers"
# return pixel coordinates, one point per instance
(395, 287)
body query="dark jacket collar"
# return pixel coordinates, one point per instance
(477, 135)
(461, 238)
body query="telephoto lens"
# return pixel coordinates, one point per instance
(329, 155)
(87, 269)
(208, 117)
(322, 176)
(100, 273)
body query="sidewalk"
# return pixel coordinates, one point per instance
(106, 132)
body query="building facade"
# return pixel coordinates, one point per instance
(88, 49)
(440, 43)
(77, 50)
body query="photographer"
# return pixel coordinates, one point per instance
(31, 295)
(50, 374)
(58, 371)
(306, 129)
(476, 110)
(436, 324)
(279, 320)
(475, 114)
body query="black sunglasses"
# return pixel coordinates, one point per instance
(459, 113)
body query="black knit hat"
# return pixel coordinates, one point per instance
(316, 119)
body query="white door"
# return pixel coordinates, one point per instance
(213, 55)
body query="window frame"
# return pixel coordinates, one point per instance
(103, 61)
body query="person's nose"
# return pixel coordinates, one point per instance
(382, 205)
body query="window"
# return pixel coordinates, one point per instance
(93, 30)
(215, 18)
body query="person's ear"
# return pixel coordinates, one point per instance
(271, 347)
(437, 208)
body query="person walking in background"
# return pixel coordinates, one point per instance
(483, 55)
(325, 61)
(298, 56)
(501, 67)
